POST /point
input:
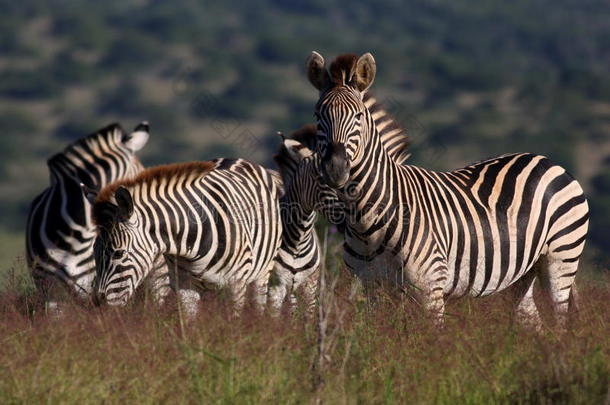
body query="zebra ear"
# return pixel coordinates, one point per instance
(89, 193)
(365, 72)
(316, 71)
(124, 203)
(138, 138)
(104, 214)
(296, 150)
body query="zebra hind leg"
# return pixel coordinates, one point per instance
(525, 307)
(558, 277)
(280, 284)
(434, 304)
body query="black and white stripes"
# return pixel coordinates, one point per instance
(476, 230)
(218, 221)
(60, 233)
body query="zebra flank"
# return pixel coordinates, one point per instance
(60, 232)
(476, 230)
(218, 222)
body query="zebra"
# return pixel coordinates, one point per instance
(299, 259)
(219, 220)
(476, 230)
(60, 233)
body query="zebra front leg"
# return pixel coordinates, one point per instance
(186, 289)
(238, 290)
(310, 293)
(159, 281)
(261, 290)
(188, 299)
(431, 289)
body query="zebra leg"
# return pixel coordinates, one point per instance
(183, 284)
(431, 290)
(558, 276)
(261, 290)
(281, 284)
(189, 301)
(54, 293)
(310, 293)
(526, 311)
(434, 304)
(238, 297)
(159, 281)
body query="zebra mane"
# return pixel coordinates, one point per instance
(111, 134)
(159, 174)
(393, 136)
(293, 149)
(342, 69)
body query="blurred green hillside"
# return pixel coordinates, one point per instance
(467, 79)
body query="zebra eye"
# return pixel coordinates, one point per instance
(118, 254)
(359, 114)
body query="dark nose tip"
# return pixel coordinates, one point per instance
(336, 166)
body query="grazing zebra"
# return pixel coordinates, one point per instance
(60, 233)
(476, 230)
(219, 221)
(298, 261)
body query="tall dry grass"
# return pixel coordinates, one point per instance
(382, 353)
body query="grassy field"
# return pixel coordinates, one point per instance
(386, 352)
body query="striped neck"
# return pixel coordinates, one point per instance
(298, 208)
(373, 193)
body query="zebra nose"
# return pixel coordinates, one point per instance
(335, 165)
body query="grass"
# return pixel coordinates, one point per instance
(383, 353)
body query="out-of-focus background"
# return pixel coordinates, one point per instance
(217, 78)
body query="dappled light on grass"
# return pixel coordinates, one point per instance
(385, 351)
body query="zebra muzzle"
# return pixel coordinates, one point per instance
(335, 165)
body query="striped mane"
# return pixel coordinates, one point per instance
(342, 69)
(157, 173)
(111, 134)
(293, 149)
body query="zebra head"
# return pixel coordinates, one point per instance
(299, 167)
(120, 263)
(343, 119)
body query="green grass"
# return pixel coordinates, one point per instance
(385, 353)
